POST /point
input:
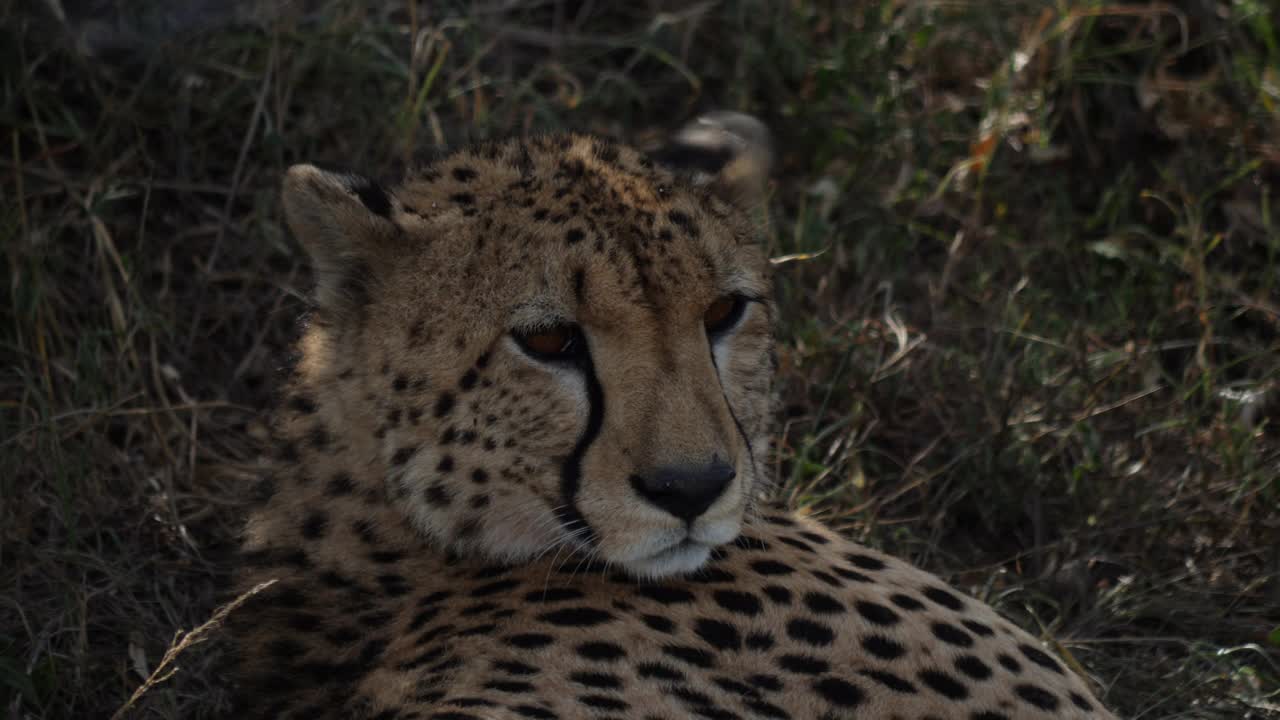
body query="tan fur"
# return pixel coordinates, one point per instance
(453, 522)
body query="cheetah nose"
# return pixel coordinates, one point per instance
(685, 491)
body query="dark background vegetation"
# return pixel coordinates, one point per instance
(1037, 348)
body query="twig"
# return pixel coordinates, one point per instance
(182, 641)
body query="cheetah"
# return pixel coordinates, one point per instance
(519, 468)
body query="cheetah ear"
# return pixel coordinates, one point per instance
(341, 219)
(729, 151)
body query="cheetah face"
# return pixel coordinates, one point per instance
(555, 347)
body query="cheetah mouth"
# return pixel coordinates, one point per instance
(684, 546)
(682, 557)
(676, 551)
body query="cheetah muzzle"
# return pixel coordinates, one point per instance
(520, 467)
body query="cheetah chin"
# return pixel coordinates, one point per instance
(678, 552)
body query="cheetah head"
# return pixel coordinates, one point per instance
(553, 347)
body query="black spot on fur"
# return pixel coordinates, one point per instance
(735, 687)
(944, 684)
(866, 562)
(402, 455)
(771, 567)
(602, 681)
(973, 667)
(944, 598)
(739, 603)
(906, 602)
(692, 656)
(708, 575)
(494, 588)
(340, 484)
(768, 683)
(603, 702)
(529, 641)
(577, 617)
(684, 222)
(601, 651)
(952, 635)
(468, 380)
(393, 585)
(658, 671)
(320, 437)
(302, 404)
(659, 623)
(665, 594)
(479, 608)
(822, 603)
(810, 632)
(760, 641)
(553, 595)
(315, 526)
(534, 712)
(444, 404)
(978, 628)
(850, 574)
(883, 647)
(1040, 658)
(889, 680)
(814, 537)
(876, 613)
(796, 543)
(1008, 663)
(720, 635)
(422, 617)
(803, 664)
(778, 594)
(437, 495)
(478, 630)
(363, 528)
(826, 578)
(838, 692)
(1037, 696)
(512, 667)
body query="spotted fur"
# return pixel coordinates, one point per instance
(459, 528)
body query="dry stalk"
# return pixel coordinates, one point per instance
(181, 641)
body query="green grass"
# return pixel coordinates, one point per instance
(1039, 351)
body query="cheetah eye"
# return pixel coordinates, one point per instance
(723, 314)
(561, 342)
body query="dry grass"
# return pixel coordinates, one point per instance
(1040, 353)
